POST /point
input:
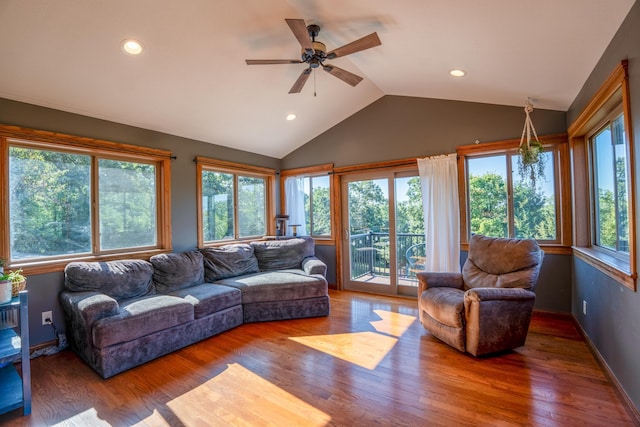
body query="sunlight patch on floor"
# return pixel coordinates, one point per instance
(366, 349)
(85, 418)
(237, 396)
(154, 420)
(391, 323)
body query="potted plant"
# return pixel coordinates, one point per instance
(18, 282)
(531, 161)
(6, 288)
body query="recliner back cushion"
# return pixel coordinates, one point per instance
(229, 261)
(282, 254)
(120, 280)
(175, 271)
(502, 263)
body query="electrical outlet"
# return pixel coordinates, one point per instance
(584, 307)
(47, 317)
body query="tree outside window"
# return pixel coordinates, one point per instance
(313, 203)
(53, 212)
(610, 178)
(503, 204)
(233, 206)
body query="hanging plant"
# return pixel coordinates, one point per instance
(531, 161)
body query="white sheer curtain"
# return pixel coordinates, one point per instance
(294, 196)
(439, 183)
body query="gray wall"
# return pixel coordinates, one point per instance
(613, 311)
(398, 127)
(44, 288)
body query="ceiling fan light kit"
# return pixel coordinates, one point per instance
(314, 54)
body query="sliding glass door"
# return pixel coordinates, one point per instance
(383, 232)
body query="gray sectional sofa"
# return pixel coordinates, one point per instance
(120, 314)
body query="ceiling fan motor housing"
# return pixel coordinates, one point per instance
(319, 54)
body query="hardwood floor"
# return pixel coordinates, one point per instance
(369, 363)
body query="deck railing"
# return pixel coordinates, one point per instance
(370, 254)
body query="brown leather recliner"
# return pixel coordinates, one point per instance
(486, 308)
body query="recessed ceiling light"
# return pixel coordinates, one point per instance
(291, 117)
(456, 72)
(131, 47)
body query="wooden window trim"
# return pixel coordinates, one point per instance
(311, 171)
(613, 94)
(216, 165)
(563, 245)
(38, 139)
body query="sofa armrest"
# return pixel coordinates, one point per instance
(428, 280)
(82, 310)
(312, 265)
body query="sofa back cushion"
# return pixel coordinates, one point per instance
(175, 271)
(228, 261)
(120, 280)
(502, 263)
(285, 253)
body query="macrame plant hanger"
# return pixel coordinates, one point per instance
(531, 160)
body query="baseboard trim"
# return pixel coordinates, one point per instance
(633, 411)
(52, 343)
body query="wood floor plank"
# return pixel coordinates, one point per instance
(369, 363)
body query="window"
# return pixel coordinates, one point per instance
(69, 197)
(234, 201)
(611, 185)
(603, 190)
(502, 203)
(310, 197)
(307, 201)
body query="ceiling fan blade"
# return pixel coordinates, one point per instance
(297, 86)
(344, 75)
(272, 61)
(366, 42)
(299, 29)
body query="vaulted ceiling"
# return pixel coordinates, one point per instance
(191, 79)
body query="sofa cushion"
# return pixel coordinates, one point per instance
(281, 254)
(175, 271)
(229, 261)
(208, 298)
(277, 286)
(141, 317)
(120, 280)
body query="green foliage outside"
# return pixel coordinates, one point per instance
(321, 214)
(613, 229)
(368, 208)
(50, 203)
(534, 212)
(251, 207)
(127, 194)
(217, 205)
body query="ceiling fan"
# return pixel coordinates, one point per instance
(315, 54)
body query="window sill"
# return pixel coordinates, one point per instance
(613, 267)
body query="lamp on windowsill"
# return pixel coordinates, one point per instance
(531, 160)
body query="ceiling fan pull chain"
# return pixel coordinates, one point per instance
(314, 85)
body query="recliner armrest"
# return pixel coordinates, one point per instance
(312, 265)
(428, 280)
(499, 294)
